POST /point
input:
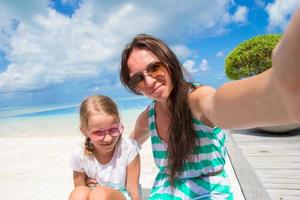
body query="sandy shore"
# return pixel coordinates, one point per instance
(35, 153)
(37, 167)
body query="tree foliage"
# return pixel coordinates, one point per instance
(251, 57)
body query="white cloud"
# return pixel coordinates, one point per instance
(69, 2)
(12, 12)
(220, 54)
(189, 65)
(260, 3)
(47, 47)
(181, 51)
(280, 12)
(207, 20)
(204, 65)
(240, 15)
(58, 48)
(49, 53)
(21, 10)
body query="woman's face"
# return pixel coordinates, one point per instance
(157, 88)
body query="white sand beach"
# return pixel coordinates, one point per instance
(37, 167)
(35, 153)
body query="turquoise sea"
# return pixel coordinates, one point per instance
(64, 109)
(59, 119)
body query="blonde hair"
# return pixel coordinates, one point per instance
(93, 105)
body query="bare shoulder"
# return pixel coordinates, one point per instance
(201, 97)
(204, 90)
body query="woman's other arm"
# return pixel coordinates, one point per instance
(141, 132)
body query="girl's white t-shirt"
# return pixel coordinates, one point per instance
(112, 174)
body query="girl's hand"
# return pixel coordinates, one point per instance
(91, 182)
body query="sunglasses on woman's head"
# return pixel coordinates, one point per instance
(114, 131)
(154, 70)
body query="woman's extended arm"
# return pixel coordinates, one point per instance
(270, 98)
(286, 66)
(132, 180)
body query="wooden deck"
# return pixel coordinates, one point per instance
(267, 165)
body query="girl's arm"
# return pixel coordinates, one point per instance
(270, 98)
(132, 180)
(140, 132)
(79, 178)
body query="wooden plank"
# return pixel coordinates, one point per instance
(271, 152)
(280, 180)
(282, 186)
(234, 183)
(279, 146)
(259, 158)
(267, 141)
(262, 137)
(275, 165)
(275, 159)
(284, 198)
(278, 173)
(251, 186)
(283, 193)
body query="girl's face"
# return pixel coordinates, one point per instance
(158, 86)
(104, 131)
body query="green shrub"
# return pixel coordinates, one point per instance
(251, 57)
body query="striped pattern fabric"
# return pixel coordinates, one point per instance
(208, 156)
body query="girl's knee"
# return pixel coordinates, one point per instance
(105, 193)
(97, 193)
(80, 193)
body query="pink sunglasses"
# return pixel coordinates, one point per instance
(114, 131)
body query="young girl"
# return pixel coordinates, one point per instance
(113, 161)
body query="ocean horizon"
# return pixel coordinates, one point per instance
(60, 119)
(56, 109)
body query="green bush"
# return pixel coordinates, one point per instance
(251, 57)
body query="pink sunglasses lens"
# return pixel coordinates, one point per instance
(114, 131)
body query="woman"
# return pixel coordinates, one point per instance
(184, 117)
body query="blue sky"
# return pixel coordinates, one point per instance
(61, 51)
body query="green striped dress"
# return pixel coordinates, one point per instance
(207, 158)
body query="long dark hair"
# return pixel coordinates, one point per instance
(182, 136)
